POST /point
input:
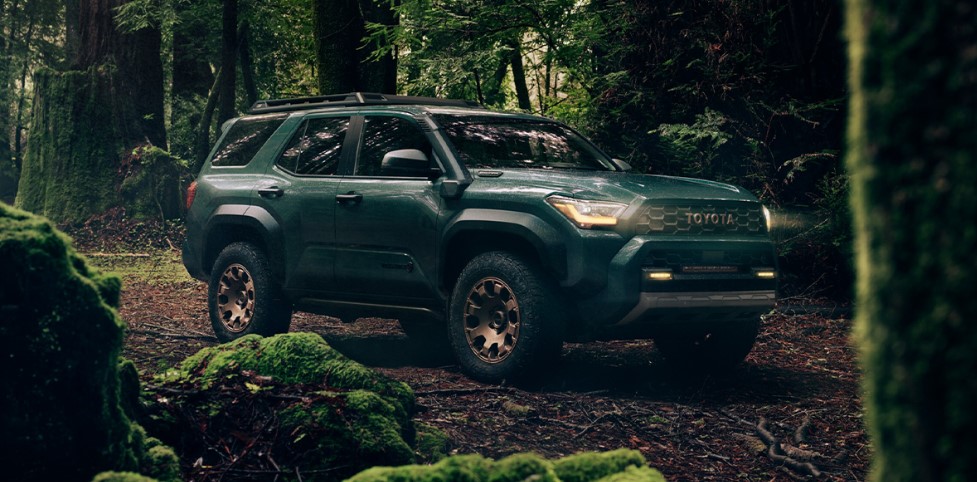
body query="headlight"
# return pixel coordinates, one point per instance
(768, 217)
(587, 214)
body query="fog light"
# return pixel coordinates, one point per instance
(659, 275)
(765, 273)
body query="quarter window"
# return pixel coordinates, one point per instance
(316, 148)
(246, 136)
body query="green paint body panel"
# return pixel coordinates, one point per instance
(396, 243)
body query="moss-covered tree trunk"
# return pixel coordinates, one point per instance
(913, 161)
(87, 120)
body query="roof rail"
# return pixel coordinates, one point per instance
(351, 99)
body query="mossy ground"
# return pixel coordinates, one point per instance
(305, 406)
(618, 466)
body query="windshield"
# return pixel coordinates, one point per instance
(505, 142)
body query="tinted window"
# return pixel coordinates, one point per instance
(505, 142)
(246, 136)
(384, 134)
(316, 147)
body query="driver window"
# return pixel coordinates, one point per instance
(385, 134)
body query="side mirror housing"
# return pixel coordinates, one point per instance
(406, 163)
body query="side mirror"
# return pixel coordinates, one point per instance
(622, 165)
(405, 163)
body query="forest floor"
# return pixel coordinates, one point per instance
(791, 410)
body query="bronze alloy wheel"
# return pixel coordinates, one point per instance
(235, 298)
(492, 320)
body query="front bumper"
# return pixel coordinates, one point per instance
(711, 280)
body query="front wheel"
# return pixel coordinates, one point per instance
(243, 297)
(504, 319)
(716, 348)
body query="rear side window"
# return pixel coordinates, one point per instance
(246, 136)
(316, 147)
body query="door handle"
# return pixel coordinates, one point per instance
(273, 191)
(350, 197)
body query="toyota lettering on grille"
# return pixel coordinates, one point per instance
(710, 218)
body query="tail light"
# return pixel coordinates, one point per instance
(191, 193)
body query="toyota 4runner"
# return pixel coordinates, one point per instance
(509, 232)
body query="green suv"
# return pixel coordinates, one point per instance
(505, 234)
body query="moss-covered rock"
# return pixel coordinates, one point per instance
(432, 443)
(588, 466)
(617, 466)
(299, 401)
(60, 337)
(122, 477)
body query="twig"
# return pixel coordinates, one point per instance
(464, 391)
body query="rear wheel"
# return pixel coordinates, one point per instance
(243, 298)
(716, 348)
(504, 319)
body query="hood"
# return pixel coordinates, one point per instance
(614, 186)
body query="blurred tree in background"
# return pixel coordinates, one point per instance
(911, 153)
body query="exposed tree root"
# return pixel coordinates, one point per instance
(787, 458)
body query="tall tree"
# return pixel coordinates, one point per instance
(912, 155)
(344, 63)
(88, 119)
(229, 50)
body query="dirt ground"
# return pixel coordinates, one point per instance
(792, 410)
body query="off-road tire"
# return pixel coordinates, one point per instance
(716, 349)
(243, 297)
(508, 299)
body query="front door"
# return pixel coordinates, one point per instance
(386, 222)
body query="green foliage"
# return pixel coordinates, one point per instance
(620, 466)
(61, 338)
(697, 148)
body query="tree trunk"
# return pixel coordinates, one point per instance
(201, 146)
(519, 77)
(72, 22)
(338, 31)
(72, 159)
(247, 68)
(86, 121)
(343, 63)
(228, 61)
(912, 153)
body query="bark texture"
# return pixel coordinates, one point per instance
(343, 62)
(912, 147)
(87, 120)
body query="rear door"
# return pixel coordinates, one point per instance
(386, 222)
(300, 191)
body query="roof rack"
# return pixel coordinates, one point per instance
(351, 99)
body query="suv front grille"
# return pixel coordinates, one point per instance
(701, 219)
